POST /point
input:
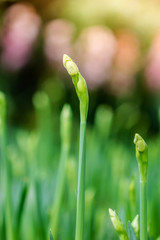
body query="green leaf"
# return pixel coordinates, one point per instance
(131, 232)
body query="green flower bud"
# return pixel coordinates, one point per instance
(70, 66)
(135, 225)
(142, 156)
(80, 85)
(118, 225)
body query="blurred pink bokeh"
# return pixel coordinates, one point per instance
(20, 31)
(95, 49)
(58, 37)
(125, 64)
(152, 69)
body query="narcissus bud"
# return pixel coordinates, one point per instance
(80, 85)
(118, 225)
(142, 156)
(70, 66)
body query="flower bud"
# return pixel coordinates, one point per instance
(80, 85)
(142, 156)
(70, 66)
(118, 225)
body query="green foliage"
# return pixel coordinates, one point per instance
(39, 160)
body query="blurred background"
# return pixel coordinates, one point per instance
(115, 44)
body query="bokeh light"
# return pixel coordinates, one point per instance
(20, 30)
(95, 49)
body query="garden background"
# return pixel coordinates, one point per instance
(116, 45)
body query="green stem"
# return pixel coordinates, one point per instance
(143, 210)
(81, 184)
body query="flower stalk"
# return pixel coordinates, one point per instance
(142, 159)
(82, 93)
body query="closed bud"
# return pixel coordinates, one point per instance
(70, 66)
(142, 156)
(118, 225)
(80, 85)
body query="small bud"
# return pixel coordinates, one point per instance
(135, 225)
(118, 225)
(142, 156)
(70, 66)
(140, 143)
(80, 85)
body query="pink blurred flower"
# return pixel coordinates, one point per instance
(125, 63)
(152, 70)
(58, 36)
(95, 50)
(21, 27)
